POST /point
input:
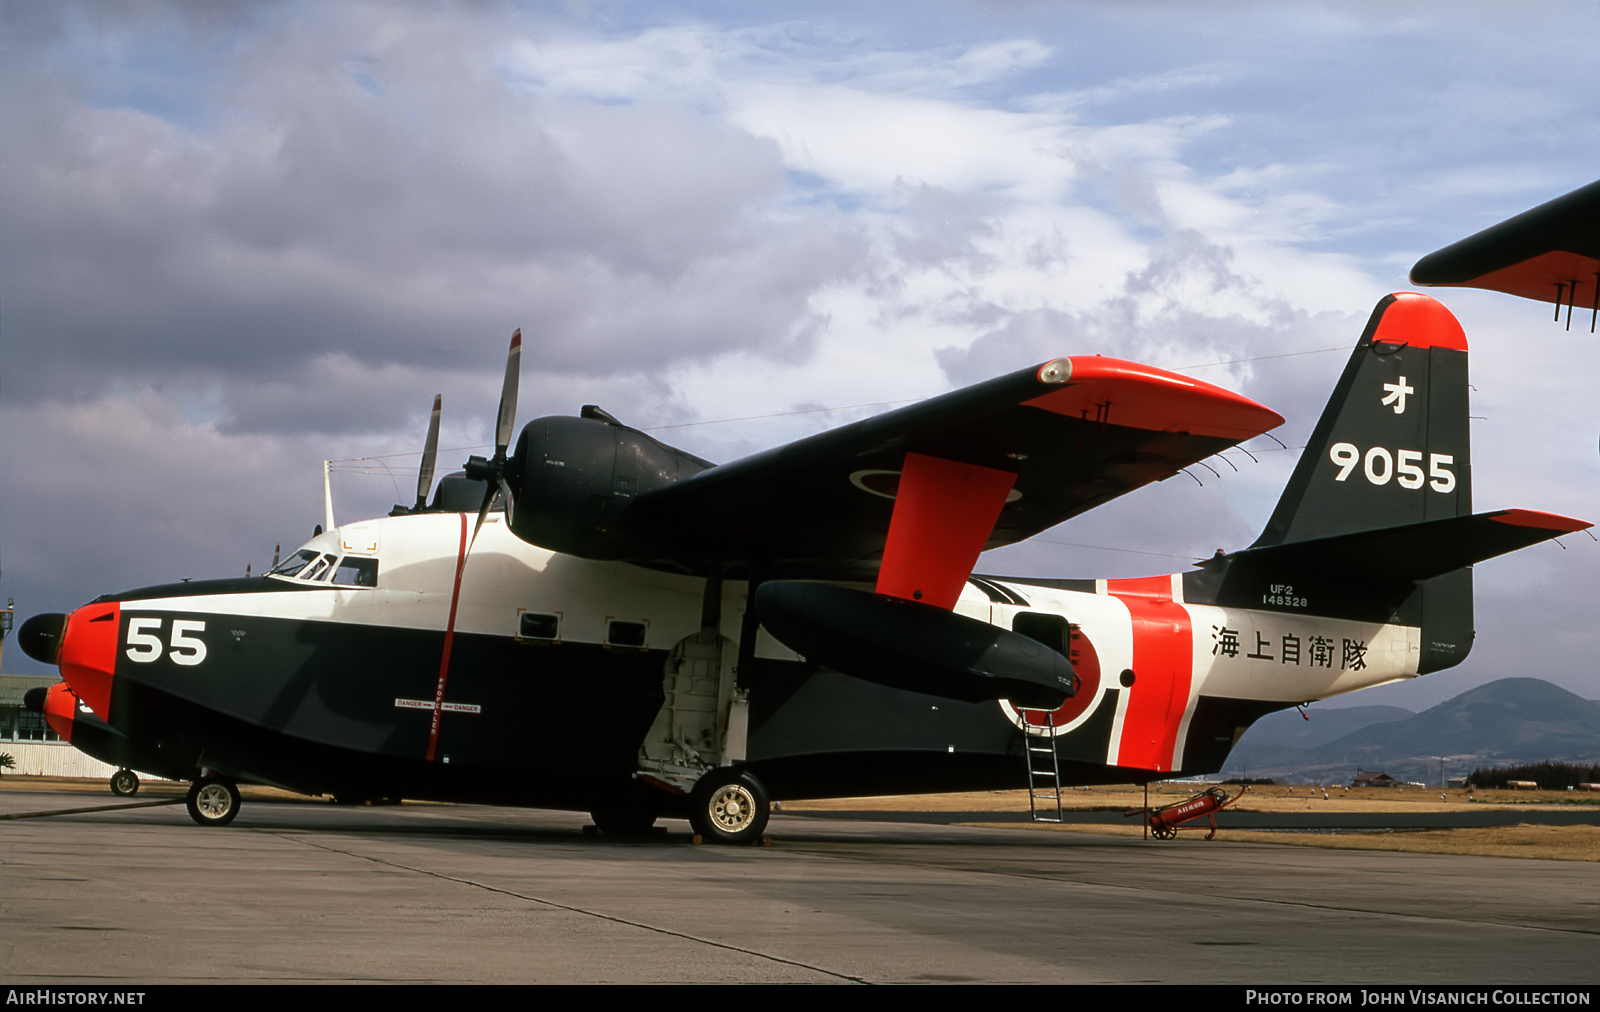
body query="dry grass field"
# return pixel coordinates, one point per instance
(1565, 843)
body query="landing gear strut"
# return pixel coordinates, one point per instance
(729, 806)
(213, 802)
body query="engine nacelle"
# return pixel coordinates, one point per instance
(575, 478)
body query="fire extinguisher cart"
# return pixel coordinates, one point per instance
(1165, 822)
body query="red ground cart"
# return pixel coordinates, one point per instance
(1165, 822)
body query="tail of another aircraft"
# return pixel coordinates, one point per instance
(1376, 522)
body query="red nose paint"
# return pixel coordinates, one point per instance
(88, 657)
(60, 710)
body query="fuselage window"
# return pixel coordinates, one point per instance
(1051, 630)
(535, 626)
(625, 634)
(353, 572)
(294, 563)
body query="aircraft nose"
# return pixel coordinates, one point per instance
(33, 699)
(87, 654)
(40, 636)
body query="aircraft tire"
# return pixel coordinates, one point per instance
(213, 802)
(124, 783)
(729, 806)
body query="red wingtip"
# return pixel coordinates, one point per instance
(1543, 521)
(1420, 322)
(1145, 397)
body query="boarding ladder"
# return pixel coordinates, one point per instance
(1044, 773)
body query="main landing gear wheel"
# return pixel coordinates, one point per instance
(729, 806)
(124, 783)
(213, 802)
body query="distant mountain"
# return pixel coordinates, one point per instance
(1288, 729)
(1513, 720)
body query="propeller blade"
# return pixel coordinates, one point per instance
(510, 497)
(430, 450)
(493, 471)
(508, 396)
(483, 514)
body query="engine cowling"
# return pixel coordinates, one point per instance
(575, 478)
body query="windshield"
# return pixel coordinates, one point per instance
(312, 566)
(294, 563)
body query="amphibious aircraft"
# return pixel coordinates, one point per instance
(637, 633)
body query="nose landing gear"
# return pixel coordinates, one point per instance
(213, 802)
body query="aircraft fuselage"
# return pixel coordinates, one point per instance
(539, 680)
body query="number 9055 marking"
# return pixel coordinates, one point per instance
(1404, 466)
(184, 647)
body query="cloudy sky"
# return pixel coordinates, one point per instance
(236, 240)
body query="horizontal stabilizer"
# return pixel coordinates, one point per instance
(1413, 551)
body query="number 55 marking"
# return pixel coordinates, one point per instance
(145, 646)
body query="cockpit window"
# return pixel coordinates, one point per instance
(294, 563)
(318, 570)
(312, 566)
(353, 572)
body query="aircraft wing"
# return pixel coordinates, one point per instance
(935, 483)
(1550, 254)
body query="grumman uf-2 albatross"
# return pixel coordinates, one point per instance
(638, 633)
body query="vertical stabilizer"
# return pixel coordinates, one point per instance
(1391, 447)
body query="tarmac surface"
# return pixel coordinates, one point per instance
(303, 892)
